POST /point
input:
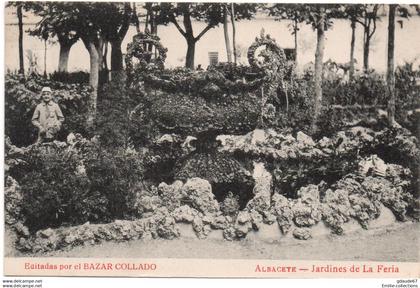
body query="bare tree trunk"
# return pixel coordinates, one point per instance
(105, 57)
(319, 56)
(146, 23)
(45, 58)
(226, 32)
(189, 36)
(232, 18)
(116, 56)
(95, 62)
(390, 77)
(63, 59)
(189, 61)
(136, 18)
(366, 48)
(154, 27)
(353, 38)
(21, 63)
(295, 29)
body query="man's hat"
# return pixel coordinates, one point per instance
(46, 89)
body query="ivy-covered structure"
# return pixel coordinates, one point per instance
(205, 104)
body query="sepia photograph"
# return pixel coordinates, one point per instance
(211, 139)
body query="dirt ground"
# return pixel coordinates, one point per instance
(396, 242)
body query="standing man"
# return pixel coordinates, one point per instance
(47, 117)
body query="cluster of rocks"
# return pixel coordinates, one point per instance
(359, 195)
(12, 201)
(165, 207)
(192, 202)
(278, 146)
(355, 196)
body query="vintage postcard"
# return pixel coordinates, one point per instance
(262, 140)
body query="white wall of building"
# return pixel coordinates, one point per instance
(337, 45)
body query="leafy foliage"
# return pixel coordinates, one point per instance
(54, 193)
(116, 174)
(23, 94)
(71, 183)
(192, 115)
(366, 89)
(206, 84)
(79, 77)
(294, 104)
(114, 124)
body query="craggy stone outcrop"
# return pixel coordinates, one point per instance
(336, 209)
(198, 193)
(12, 200)
(302, 233)
(262, 189)
(282, 209)
(224, 173)
(358, 195)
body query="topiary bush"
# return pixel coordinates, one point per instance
(192, 115)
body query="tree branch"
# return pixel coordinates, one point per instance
(360, 22)
(123, 29)
(173, 20)
(126, 22)
(373, 30)
(203, 32)
(374, 26)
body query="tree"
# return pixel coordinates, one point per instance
(291, 12)
(319, 24)
(353, 12)
(320, 17)
(239, 11)
(136, 20)
(367, 18)
(390, 73)
(49, 27)
(210, 13)
(152, 20)
(20, 23)
(390, 77)
(87, 20)
(226, 33)
(20, 7)
(84, 18)
(118, 18)
(232, 19)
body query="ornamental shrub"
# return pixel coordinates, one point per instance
(69, 184)
(113, 120)
(407, 96)
(55, 189)
(294, 105)
(365, 89)
(191, 115)
(116, 174)
(370, 89)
